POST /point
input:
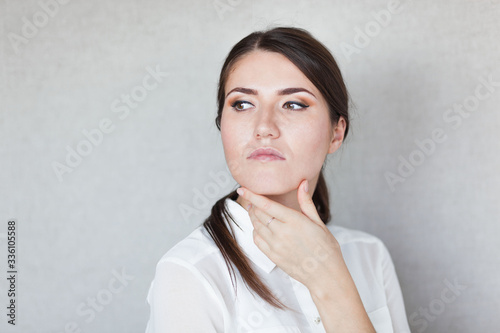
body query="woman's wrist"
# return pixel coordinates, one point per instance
(339, 304)
(334, 286)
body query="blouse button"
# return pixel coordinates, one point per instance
(317, 320)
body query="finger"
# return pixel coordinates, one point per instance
(307, 204)
(261, 243)
(259, 227)
(262, 236)
(270, 222)
(270, 207)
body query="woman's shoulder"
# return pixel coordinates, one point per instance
(194, 260)
(192, 249)
(363, 253)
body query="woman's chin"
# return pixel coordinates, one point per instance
(267, 187)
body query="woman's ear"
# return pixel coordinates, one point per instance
(337, 135)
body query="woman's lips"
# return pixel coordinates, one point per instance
(266, 158)
(266, 154)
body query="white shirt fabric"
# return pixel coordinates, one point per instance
(192, 290)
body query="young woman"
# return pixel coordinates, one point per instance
(264, 260)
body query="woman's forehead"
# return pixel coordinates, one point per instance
(266, 70)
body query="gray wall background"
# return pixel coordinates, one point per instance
(153, 176)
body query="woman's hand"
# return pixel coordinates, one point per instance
(303, 247)
(297, 242)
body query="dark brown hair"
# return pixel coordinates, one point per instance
(318, 65)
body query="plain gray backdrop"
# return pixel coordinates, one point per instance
(110, 155)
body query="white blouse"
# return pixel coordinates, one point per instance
(192, 289)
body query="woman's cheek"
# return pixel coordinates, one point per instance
(233, 151)
(235, 167)
(310, 150)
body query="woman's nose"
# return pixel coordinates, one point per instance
(266, 122)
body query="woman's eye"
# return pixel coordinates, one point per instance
(294, 106)
(241, 105)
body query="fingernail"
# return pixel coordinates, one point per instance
(240, 191)
(306, 186)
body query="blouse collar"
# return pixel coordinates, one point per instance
(243, 230)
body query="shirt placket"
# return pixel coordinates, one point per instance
(308, 307)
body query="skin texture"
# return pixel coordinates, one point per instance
(282, 189)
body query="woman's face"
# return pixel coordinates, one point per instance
(271, 103)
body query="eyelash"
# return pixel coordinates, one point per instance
(301, 105)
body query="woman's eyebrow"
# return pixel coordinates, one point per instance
(286, 91)
(244, 91)
(289, 91)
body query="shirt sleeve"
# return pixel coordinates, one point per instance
(393, 293)
(182, 301)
